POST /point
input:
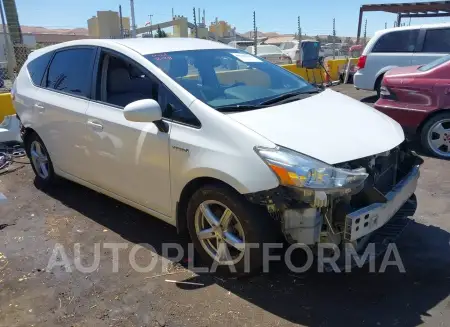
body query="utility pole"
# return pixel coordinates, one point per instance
(299, 31)
(334, 38)
(385, 25)
(151, 24)
(173, 15)
(255, 32)
(133, 21)
(365, 32)
(121, 23)
(195, 24)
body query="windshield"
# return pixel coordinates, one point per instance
(434, 63)
(228, 77)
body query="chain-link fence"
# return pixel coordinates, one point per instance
(12, 58)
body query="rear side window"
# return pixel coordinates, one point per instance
(36, 68)
(70, 71)
(400, 41)
(437, 41)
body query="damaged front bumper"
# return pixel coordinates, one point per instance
(368, 219)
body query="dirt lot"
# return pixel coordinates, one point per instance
(32, 222)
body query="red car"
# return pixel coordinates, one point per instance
(418, 97)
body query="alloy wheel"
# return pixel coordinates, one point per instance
(220, 232)
(39, 159)
(439, 138)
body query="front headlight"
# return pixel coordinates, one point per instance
(298, 170)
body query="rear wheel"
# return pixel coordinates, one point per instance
(222, 224)
(378, 85)
(40, 160)
(435, 136)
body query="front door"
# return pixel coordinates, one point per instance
(127, 158)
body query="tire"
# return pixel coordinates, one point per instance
(430, 127)
(40, 161)
(250, 220)
(378, 85)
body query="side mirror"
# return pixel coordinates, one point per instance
(143, 111)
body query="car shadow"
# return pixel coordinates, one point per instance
(370, 99)
(311, 299)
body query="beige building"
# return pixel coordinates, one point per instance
(106, 25)
(222, 28)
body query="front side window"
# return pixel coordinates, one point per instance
(397, 41)
(70, 71)
(228, 77)
(122, 82)
(437, 40)
(36, 67)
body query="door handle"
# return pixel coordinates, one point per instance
(95, 126)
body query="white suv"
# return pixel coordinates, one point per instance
(397, 47)
(226, 151)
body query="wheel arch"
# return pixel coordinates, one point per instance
(189, 189)
(379, 75)
(431, 115)
(25, 133)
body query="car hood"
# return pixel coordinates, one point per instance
(328, 126)
(402, 71)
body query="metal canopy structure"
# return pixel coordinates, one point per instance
(407, 10)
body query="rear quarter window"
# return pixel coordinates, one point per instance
(36, 67)
(397, 41)
(437, 40)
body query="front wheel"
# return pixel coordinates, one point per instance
(435, 136)
(227, 230)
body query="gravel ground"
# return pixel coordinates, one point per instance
(32, 222)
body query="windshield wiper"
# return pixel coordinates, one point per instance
(238, 108)
(291, 96)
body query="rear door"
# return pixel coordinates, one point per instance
(60, 106)
(391, 49)
(433, 44)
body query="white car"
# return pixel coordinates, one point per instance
(225, 154)
(291, 49)
(398, 47)
(270, 53)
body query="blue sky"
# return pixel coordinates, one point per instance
(316, 17)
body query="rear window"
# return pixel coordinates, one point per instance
(437, 40)
(435, 63)
(287, 45)
(399, 41)
(36, 68)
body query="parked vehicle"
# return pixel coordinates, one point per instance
(292, 49)
(226, 155)
(353, 52)
(418, 97)
(270, 53)
(399, 47)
